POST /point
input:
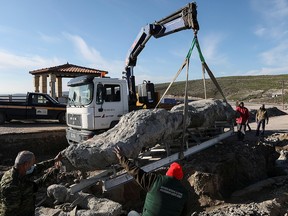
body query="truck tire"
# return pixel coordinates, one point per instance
(62, 118)
(2, 118)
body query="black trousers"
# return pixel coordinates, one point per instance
(260, 123)
(241, 131)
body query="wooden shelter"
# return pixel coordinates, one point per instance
(57, 73)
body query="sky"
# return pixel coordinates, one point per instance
(247, 37)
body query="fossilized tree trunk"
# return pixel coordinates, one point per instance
(143, 128)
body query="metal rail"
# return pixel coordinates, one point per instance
(124, 178)
(111, 180)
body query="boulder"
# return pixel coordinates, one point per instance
(204, 113)
(80, 203)
(143, 128)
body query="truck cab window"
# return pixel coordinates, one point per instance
(39, 99)
(113, 93)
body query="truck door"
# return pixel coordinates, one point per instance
(109, 105)
(38, 108)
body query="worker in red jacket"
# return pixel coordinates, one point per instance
(241, 120)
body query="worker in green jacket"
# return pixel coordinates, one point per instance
(165, 193)
(17, 186)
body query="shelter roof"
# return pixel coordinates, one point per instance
(69, 70)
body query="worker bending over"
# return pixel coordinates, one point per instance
(165, 193)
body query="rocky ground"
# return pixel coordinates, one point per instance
(265, 195)
(231, 178)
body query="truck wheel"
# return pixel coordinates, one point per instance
(62, 118)
(2, 118)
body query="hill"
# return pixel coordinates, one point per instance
(265, 88)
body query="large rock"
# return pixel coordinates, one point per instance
(143, 128)
(204, 113)
(85, 204)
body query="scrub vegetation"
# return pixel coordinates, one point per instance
(265, 88)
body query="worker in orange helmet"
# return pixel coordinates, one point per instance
(165, 193)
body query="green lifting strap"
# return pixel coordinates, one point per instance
(179, 71)
(199, 50)
(212, 77)
(191, 48)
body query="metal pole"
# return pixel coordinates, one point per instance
(185, 112)
(283, 94)
(204, 82)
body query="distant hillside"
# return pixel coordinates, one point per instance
(266, 88)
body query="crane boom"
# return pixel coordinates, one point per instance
(184, 18)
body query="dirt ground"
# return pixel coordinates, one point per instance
(276, 123)
(25, 126)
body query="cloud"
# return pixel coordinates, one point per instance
(209, 45)
(278, 10)
(94, 57)
(271, 9)
(275, 18)
(13, 61)
(14, 71)
(273, 26)
(268, 71)
(276, 56)
(260, 31)
(48, 38)
(210, 49)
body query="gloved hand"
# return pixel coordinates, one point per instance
(118, 152)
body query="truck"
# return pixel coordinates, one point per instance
(96, 104)
(31, 106)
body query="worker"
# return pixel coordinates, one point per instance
(261, 119)
(17, 186)
(247, 123)
(243, 115)
(165, 193)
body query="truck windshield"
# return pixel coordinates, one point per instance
(80, 95)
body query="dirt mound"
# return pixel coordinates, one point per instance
(273, 111)
(265, 196)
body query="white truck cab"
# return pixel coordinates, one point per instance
(94, 104)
